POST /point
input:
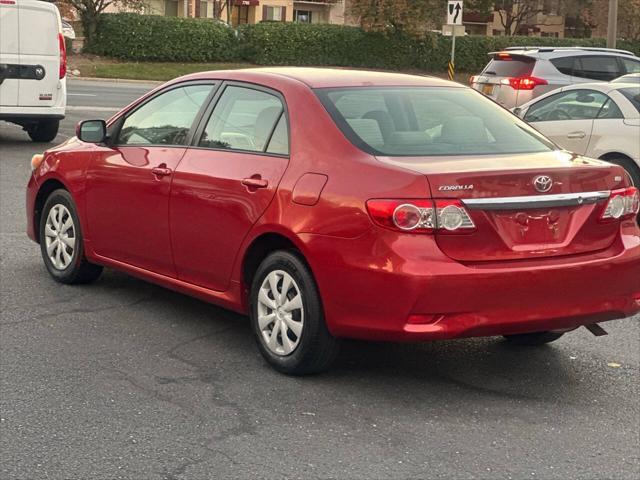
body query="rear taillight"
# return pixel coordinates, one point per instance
(63, 56)
(623, 203)
(524, 82)
(421, 216)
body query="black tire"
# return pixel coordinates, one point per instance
(533, 339)
(78, 270)
(44, 130)
(316, 348)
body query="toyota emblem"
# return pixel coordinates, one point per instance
(543, 183)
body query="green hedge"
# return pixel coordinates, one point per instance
(173, 39)
(167, 39)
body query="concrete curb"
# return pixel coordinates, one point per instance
(114, 80)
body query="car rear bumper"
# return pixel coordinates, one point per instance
(405, 289)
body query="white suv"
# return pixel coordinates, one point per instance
(33, 65)
(516, 75)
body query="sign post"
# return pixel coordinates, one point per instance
(454, 17)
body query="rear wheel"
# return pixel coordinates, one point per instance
(61, 241)
(287, 317)
(44, 130)
(533, 339)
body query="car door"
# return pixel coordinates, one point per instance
(612, 132)
(226, 180)
(128, 182)
(9, 54)
(567, 117)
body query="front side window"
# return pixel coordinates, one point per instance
(570, 105)
(597, 67)
(428, 121)
(165, 119)
(245, 119)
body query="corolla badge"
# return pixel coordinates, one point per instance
(450, 188)
(543, 183)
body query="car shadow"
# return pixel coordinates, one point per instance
(220, 341)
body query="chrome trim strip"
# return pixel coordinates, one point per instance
(535, 201)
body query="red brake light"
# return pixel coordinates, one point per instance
(524, 82)
(421, 216)
(623, 203)
(63, 56)
(504, 56)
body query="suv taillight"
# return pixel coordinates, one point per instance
(421, 216)
(523, 83)
(623, 203)
(63, 56)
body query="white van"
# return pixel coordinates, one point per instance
(33, 67)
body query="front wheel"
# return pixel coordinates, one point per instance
(287, 317)
(533, 339)
(61, 241)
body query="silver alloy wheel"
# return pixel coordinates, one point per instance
(60, 236)
(280, 312)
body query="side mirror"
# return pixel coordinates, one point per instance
(92, 131)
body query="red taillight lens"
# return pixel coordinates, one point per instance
(421, 216)
(623, 203)
(524, 82)
(63, 56)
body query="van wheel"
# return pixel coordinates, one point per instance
(61, 241)
(533, 339)
(287, 317)
(44, 130)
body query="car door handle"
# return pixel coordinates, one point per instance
(161, 171)
(576, 135)
(253, 182)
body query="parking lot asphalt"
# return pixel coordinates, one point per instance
(124, 379)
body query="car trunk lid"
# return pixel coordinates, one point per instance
(549, 206)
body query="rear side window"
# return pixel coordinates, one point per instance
(597, 67)
(633, 95)
(503, 65)
(610, 111)
(630, 65)
(564, 64)
(428, 121)
(570, 105)
(246, 119)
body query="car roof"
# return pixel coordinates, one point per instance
(552, 52)
(325, 77)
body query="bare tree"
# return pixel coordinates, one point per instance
(514, 13)
(89, 12)
(397, 15)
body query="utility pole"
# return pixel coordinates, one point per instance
(612, 26)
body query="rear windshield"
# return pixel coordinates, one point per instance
(633, 95)
(428, 121)
(509, 66)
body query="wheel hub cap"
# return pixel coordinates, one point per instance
(280, 313)
(59, 236)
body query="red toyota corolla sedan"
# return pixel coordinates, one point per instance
(333, 204)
